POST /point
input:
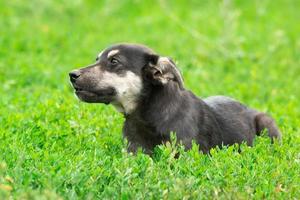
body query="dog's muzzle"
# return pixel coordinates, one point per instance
(86, 93)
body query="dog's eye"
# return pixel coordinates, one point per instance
(114, 61)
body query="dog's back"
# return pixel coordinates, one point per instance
(240, 123)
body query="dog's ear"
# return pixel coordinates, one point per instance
(161, 70)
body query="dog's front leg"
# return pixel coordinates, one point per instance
(135, 142)
(133, 147)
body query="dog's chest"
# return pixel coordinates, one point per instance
(144, 134)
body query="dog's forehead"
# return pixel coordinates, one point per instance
(108, 53)
(112, 53)
(125, 49)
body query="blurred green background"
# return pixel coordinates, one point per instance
(53, 146)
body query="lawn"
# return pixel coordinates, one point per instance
(54, 147)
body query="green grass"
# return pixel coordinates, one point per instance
(53, 146)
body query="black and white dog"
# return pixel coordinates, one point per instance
(148, 89)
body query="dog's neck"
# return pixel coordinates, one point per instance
(159, 100)
(126, 108)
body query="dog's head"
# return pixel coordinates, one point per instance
(120, 73)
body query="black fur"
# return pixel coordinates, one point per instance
(165, 106)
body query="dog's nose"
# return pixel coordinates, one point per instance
(74, 75)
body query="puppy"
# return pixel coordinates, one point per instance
(149, 90)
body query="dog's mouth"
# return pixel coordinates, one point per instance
(99, 96)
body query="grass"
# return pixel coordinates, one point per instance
(54, 147)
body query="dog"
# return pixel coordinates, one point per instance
(149, 90)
